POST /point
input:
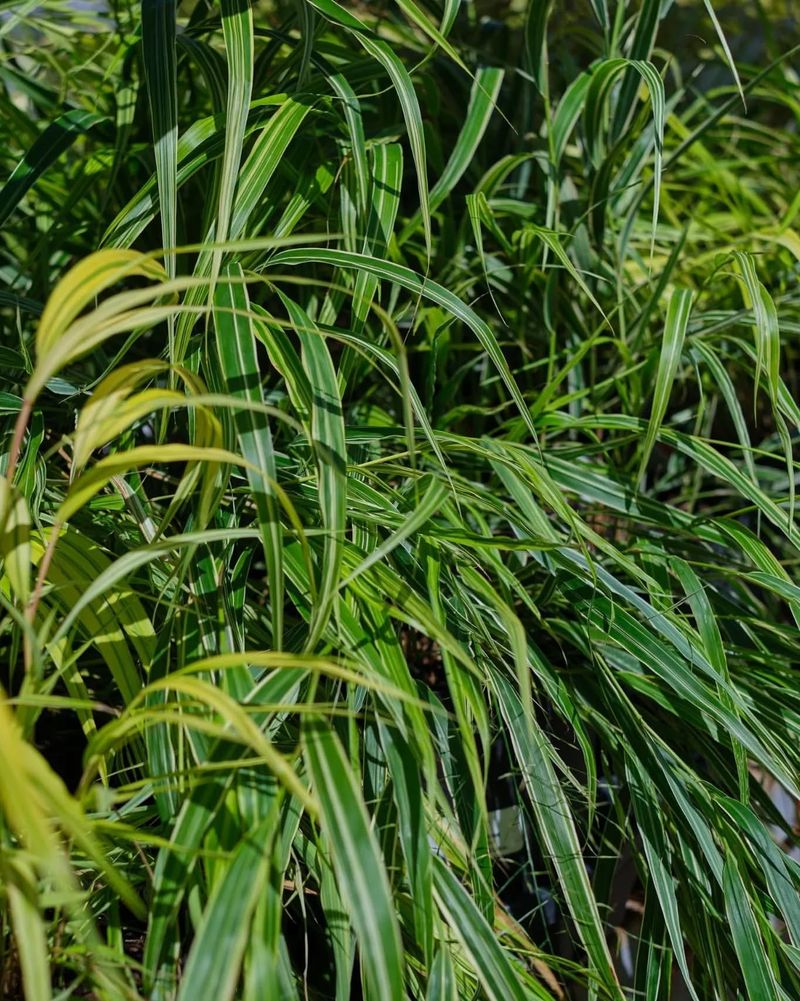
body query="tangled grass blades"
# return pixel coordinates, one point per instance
(398, 537)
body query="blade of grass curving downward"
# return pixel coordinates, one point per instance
(641, 47)
(485, 90)
(56, 138)
(412, 114)
(384, 54)
(601, 83)
(423, 287)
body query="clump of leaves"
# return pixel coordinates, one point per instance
(398, 513)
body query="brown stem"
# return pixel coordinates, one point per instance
(44, 566)
(33, 604)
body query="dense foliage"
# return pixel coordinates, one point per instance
(398, 584)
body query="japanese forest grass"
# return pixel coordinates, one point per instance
(399, 412)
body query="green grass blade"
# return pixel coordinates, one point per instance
(160, 70)
(657, 854)
(328, 442)
(750, 950)
(534, 756)
(213, 966)
(412, 115)
(406, 278)
(602, 80)
(782, 881)
(387, 179)
(49, 146)
(30, 932)
(491, 963)
(237, 30)
(677, 320)
(723, 41)
(236, 349)
(359, 870)
(442, 985)
(483, 97)
(428, 505)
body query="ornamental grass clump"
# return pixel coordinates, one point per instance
(398, 512)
